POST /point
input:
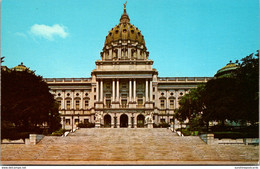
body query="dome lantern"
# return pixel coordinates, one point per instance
(124, 17)
(124, 42)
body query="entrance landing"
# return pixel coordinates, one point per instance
(127, 146)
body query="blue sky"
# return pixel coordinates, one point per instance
(64, 38)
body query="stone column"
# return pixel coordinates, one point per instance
(81, 99)
(112, 121)
(167, 99)
(63, 99)
(113, 90)
(138, 53)
(117, 90)
(129, 53)
(151, 90)
(97, 90)
(176, 99)
(130, 90)
(119, 53)
(110, 53)
(101, 90)
(72, 99)
(146, 90)
(134, 90)
(118, 121)
(129, 121)
(135, 121)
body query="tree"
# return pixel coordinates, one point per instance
(221, 100)
(191, 105)
(234, 98)
(27, 102)
(247, 77)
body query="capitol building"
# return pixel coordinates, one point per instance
(124, 91)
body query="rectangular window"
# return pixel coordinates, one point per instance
(108, 86)
(123, 103)
(140, 101)
(124, 95)
(171, 104)
(95, 97)
(171, 120)
(153, 97)
(68, 104)
(86, 103)
(94, 89)
(162, 104)
(108, 95)
(76, 121)
(140, 96)
(124, 85)
(77, 104)
(67, 121)
(153, 89)
(108, 103)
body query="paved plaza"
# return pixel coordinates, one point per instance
(127, 146)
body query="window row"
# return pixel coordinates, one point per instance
(76, 121)
(68, 104)
(163, 103)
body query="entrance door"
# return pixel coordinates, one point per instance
(123, 121)
(107, 121)
(140, 120)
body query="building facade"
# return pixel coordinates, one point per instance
(124, 90)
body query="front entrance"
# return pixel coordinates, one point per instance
(123, 120)
(140, 120)
(107, 121)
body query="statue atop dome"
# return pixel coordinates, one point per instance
(124, 18)
(125, 5)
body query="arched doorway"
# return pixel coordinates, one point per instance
(140, 120)
(123, 120)
(107, 121)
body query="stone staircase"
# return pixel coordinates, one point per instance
(120, 136)
(127, 144)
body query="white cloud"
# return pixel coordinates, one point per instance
(21, 34)
(48, 32)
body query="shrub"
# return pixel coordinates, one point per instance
(163, 125)
(86, 125)
(59, 132)
(155, 125)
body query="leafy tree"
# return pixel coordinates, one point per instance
(26, 101)
(220, 98)
(233, 98)
(247, 77)
(191, 106)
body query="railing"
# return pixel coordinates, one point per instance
(199, 79)
(67, 79)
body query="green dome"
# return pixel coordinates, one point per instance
(124, 31)
(227, 70)
(20, 67)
